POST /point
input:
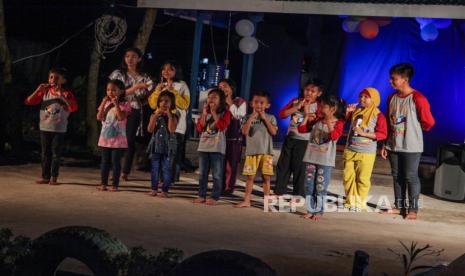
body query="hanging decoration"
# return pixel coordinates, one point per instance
(350, 25)
(110, 32)
(369, 29)
(367, 26)
(423, 21)
(429, 32)
(429, 27)
(442, 23)
(245, 27)
(248, 44)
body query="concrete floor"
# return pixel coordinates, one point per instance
(291, 245)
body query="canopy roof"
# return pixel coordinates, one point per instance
(393, 8)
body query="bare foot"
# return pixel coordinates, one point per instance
(243, 204)
(152, 193)
(164, 195)
(393, 211)
(411, 216)
(102, 188)
(124, 177)
(307, 216)
(317, 216)
(211, 201)
(199, 200)
(54, 181)
(43, 181)
(113, 189)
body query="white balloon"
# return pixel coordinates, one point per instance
(245, 27)
(248, 45)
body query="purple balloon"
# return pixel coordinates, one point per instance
(429, 32)
(350, 25)
(442, 23)
(423, 21)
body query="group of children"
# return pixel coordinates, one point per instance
(309, 150)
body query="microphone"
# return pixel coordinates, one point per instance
(358, 123)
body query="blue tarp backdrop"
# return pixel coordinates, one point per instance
(439, 72)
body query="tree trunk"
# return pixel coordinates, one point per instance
(91, 99)
(4, 53)
(145, 29)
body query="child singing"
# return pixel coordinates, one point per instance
(320, 156)
(162, 146)
(212, 125)
(57, 103)
(368, 125)
(259, 129)
(113, 112)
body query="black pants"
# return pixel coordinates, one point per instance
(290, 161)
(132, 124)
(51, 142)
(404, 169)
(178, 158)
(111, 156)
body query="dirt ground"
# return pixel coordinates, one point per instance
(288, 243)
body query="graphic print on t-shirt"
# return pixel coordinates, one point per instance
(211, 130)
(52, 112)
(296, 119)
(110, 128)
(398, 118)
(357, 140)
(319, 138)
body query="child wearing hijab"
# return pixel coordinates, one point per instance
(368, 125)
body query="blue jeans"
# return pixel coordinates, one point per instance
(111, 156)
(317, 178)
(404, 169)
(215, 161)
(161, 162)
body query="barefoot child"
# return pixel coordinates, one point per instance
(320, 156)
(234, 138)
(170, 80)
(259, 129)
(56, 105)
(212, 125)
(162, 146)
(368, 125)
(113, 112)
(409, 115)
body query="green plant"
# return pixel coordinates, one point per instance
(11, 250)
(413, 254)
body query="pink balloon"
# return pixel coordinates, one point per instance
(369, 29)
